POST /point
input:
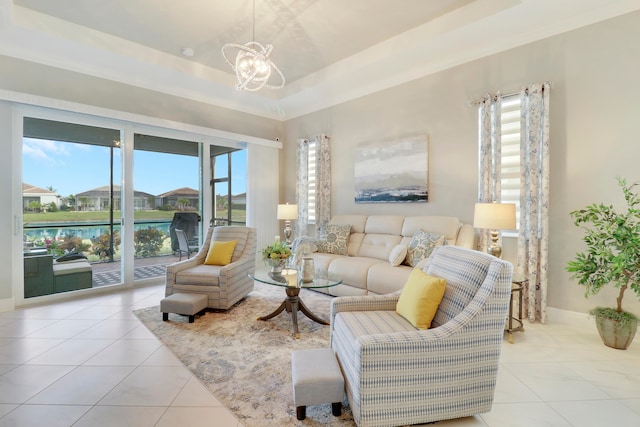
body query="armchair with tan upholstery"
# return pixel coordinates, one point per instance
(224, 285)
(396, 374)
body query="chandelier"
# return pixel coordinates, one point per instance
(252, 65)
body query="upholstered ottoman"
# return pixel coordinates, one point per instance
(316, 378)
(185, 304)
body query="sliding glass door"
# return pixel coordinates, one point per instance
(166, 180)
(71, 206)
(100, 204)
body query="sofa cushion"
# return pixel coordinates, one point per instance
(378, 245)
(353, 270)
(383, 278)
(201, 275)
(398, 254)
(420, 298)
(334, 238)
(421, 246)
(448, 226)
(384, 224)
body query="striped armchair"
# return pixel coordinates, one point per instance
(398, 375)
(224, 285)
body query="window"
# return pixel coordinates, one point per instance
(510, 161)
(229, 171)
(311, 174)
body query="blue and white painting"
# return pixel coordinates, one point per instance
(392, 171)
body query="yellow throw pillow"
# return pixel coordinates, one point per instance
(420, 298)
(220, 253)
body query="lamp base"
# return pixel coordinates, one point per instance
(287, 232)
(494, 248)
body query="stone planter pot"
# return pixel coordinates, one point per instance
(613, 334)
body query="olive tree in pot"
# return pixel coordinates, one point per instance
(612, 257)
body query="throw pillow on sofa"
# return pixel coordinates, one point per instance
(334, 238)
(398, 254)
(421, 245)
(420, 298)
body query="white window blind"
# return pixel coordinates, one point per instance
(510, 161)
(311, 173)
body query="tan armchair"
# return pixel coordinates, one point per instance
(223, 285)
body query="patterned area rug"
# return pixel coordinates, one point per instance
(245, 362)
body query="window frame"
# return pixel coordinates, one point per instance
(510, 152)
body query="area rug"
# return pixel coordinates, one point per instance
(245, 362)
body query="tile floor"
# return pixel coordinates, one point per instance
(90, 362)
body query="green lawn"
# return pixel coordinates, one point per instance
(73, 216)
(103, 216)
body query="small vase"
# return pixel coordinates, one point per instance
(276, 265)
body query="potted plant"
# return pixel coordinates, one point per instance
(612, 257)
(276, 255)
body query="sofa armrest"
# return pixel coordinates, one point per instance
(466, 236)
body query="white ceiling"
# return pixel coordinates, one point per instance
(330, 51)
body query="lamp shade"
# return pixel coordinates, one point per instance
(495, 216)
(287, 212)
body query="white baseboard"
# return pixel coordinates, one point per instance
(574, 318)
(7, 304)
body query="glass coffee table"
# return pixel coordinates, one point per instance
(290, 280)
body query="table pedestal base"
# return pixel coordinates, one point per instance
(293, 304)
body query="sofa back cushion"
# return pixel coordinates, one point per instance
(384, 224)
(447, 226)
(382, 233)
(378, 245)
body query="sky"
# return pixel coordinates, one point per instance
(74, 168)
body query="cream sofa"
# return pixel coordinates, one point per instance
(366, 268)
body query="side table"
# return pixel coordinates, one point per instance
(517, 286)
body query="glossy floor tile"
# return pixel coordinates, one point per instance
(90, 362)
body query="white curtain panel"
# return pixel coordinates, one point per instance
(533, 239)
(490, 156)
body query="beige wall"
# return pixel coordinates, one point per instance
(594, 111)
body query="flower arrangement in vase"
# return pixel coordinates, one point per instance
(276, 255)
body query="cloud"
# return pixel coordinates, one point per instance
(45, 150)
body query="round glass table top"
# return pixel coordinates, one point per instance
(291, 277)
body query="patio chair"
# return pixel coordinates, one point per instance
(183, 244)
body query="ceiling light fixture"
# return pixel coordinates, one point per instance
(252, 66)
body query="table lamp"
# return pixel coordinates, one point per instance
(287, 213)
(495, 216)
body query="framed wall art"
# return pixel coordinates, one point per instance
(392, 171)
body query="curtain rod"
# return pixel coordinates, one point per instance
(506, 95)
